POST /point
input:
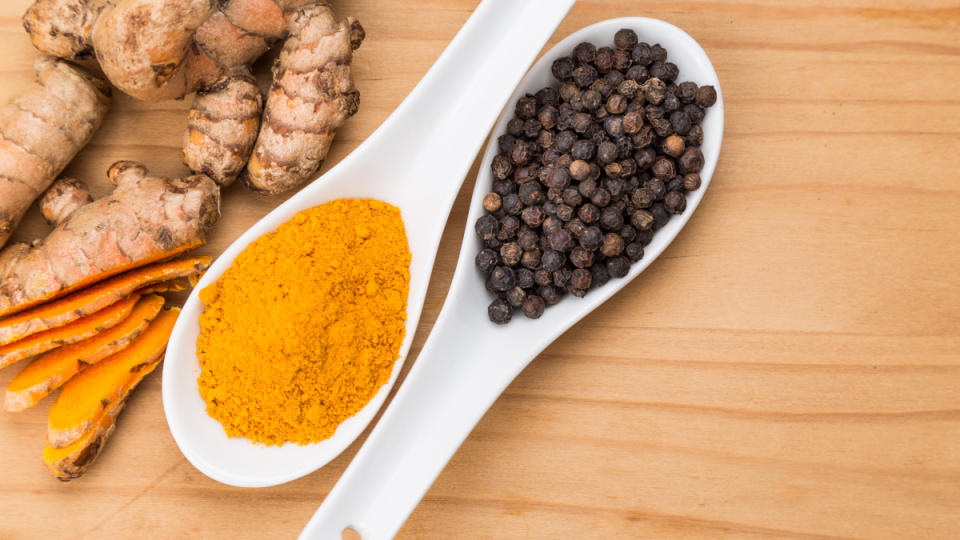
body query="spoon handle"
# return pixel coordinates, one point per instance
(443, 397)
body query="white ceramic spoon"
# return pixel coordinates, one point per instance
(417, 160)
(468, 361)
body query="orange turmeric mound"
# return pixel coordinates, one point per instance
(304, 328)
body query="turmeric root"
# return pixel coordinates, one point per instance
(85, 398)
(222, 127)
(51, 370)
(40, 132)
(96, 298)
(312, 95)
(63, 197)
(145, 219)
(78, 330)
(73, 460)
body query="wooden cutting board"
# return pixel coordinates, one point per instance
(789, 368)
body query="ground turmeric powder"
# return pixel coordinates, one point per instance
(304, 327)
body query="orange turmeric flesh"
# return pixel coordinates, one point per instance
(174, 285)
(78, 330)
(85, 398)
(52, 370)
(73, 460)
(95, 298)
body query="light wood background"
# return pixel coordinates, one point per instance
(789, 368)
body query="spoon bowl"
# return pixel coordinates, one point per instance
(417, 161)
(467, 361)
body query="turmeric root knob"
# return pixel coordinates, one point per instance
(311, 97)
(63, 197)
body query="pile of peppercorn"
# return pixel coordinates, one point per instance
(587, 172)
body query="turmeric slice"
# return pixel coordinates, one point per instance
(52, 370)
(174, 285)
(73, 460)
(101, 295)
(85, 398)
(78, 330)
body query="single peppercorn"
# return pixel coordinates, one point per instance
(691, 182)
(562, 67)
(584, 52)
(600, 275)
(613, 170)
(591, 238)
(618, 267)
(581, 123)
(632, 122)
(486, 260)
(603, 59)
(641, 220)
(591, 99)
(583, 150)
(547, 96)
(613, 125)
(691, 161)
(533, 216)
(680, 122)
(524, 278)
(561, 277)
(487, 227)
(565, 212)
(642, 198)
(501, 166)
(694, 136)
(612, 245)
(550, 294)
(533, 306)
(600, 199)
(621, 60)
(663, 168)
(706, 96)
(511, 204)
(509, 225)
(581, 257)
(617, 104)
(552, 260)
(658, 53)
(584, 75)
(526, 238)
(491, 202)
(675, 202)
(611, 219)
(656, 186)
(670, 103)
(628, 233)
(510, 253)
(625, 38)
(561, 240)
(694, 112)
(607, 152)
(542, 276)
(660, 215)
(673, 146)
(634, 251)
(548, 117)
(654, 90)
(581, 279)
(515, 296)
(675, 184)
(500, 311)
(551, 224)
(502, 278)
(530, 194)
(526, 107)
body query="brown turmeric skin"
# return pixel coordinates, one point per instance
(304, 328)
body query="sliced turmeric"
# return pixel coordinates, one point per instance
(85, 398)
(73, 460)
(174, 285)
(95, 298)
(52, 370)
(78, 330)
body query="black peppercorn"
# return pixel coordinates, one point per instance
(675, 202)
(634, 251)
(515, 127)
(611, 219)
(584, 75)
(613, 170)
(691, 161)
(533, 216)
(487, 227)
(628, 233)
(661, 126)
(706, 96)
(591, 99)
(591, 238)
(526, 238)
(491, 202)
(533, 306)
(552, 260)
(641, 220)
(564, 161)
(581, 123)
(656, 186)
(562, 67)
(561, 277)
(600, 199)
(549, 294)
(524, 278)
(515, 296)
(670, 103)
(583, 149)
(660, 215)
(617, 104)
(663, 168)
(612, 245)
(694, 136)
(618, 267)
(658, 53)
(691, 182)
(628, 167)
(486, 260)
(542, 276)
(694, 113)
(675, 184)
(654, 90)
(637, 73)
(603, 59)
(522, 152)
(632, 122)
(581, 257)
(530, 258)
(600, 275)
(531, 128)
(526, 107)
(502, 278)
(547, 96)
(564, 140)
(625, 38)
(621, 60)
(641, 54)
(561, 240)
(511, 204)
(584, 53)
(501, 166)
(500, 311)
(510, 253)
(613, 125)
(551, 224)
(504, 187)
(673, 146)
(581, 279)
(680, 122)
(565, 212)
(509, 226)
(530, 194)
(607, 152)
(642, 198)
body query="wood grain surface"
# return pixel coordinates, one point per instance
(789, 368)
